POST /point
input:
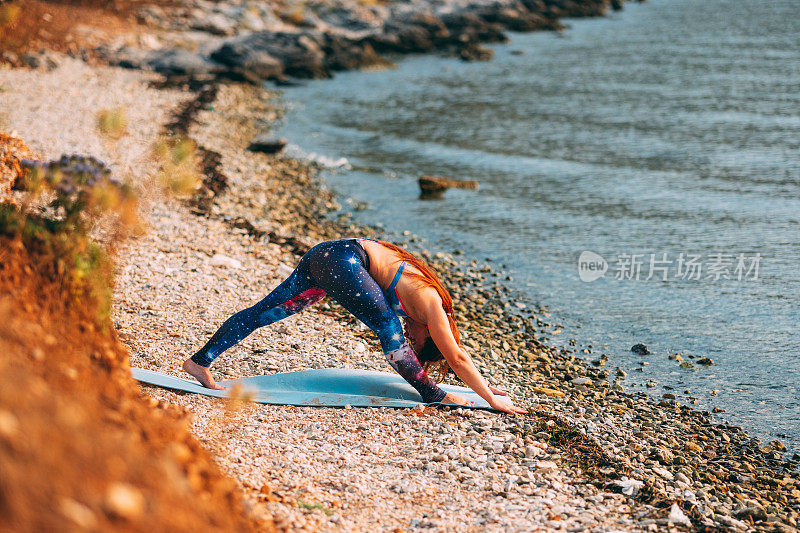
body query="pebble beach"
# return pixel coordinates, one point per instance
(369, 469)
(589, 457)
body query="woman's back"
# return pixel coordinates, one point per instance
(383, 265)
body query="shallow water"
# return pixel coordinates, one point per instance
(672, 127)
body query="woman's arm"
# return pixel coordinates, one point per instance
(459, 360)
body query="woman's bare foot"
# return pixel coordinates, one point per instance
(202, 374)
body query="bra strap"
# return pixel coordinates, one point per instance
(397, 276)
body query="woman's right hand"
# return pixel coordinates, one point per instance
(500, 405)
(456, 399)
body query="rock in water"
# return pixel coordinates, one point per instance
(640, 349)
(438, 184)
(267, 144)
(476, 52)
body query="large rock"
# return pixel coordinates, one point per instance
(249, 62)
(753, 511)
(259, 55)
(640, 349)
(469, 27)
(179, 61)
(342, 53)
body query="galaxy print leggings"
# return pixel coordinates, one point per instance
(339, 269)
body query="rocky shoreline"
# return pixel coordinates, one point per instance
(240, 40)
(589, 457)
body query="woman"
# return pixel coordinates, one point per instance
(379, 283)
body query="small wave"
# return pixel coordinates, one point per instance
(292, 150)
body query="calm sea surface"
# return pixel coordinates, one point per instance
(670, 128)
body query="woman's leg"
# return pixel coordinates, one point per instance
(294, 294)
(338, 268)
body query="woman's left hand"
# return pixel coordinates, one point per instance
(497, 391)
(500, 405)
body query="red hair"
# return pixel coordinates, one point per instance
(427, 278)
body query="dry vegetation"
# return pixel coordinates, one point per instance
(179, 165)
(112, 123)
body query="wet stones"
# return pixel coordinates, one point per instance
(640, 349)
(267, 144)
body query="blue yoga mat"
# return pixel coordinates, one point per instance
(326, 387)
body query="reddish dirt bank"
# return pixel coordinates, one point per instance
(78, 444)
(80, 447)
(65, 26)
